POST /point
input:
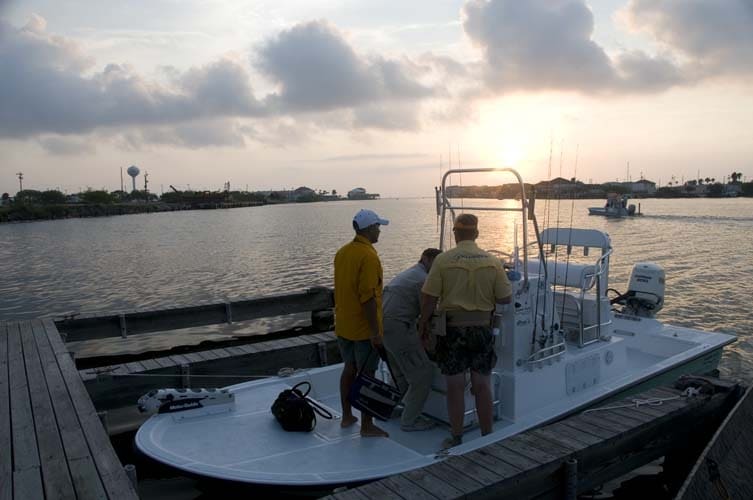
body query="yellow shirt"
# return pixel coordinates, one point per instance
(358, 278)
(467, 278)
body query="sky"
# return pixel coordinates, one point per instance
(337, 94)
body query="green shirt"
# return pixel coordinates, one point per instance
(467, 278)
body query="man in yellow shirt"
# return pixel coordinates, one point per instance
(358, 311)
(468, 283)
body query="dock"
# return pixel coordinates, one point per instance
(566, 458)
(54, 436)
(52, 444)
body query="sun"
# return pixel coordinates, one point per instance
(516, 131)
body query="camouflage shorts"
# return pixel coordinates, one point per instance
(466, 347)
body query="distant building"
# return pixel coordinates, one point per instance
(558, 186)
(642, 186)
(360, 193)
(304, 193)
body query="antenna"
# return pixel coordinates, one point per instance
(20, 181)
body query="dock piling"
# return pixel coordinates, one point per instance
(185, 375)
(228, 312)
(130, 471)
(123, 332)
(322, 346)
(571, 479)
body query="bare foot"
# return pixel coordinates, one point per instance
(373, 431)
(348, 421)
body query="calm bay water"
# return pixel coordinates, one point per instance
(151, 261)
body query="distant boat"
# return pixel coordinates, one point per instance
(616, 206)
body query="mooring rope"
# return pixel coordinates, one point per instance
(637, 403)
(282, 372)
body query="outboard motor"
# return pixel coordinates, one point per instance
(645, 295)
(631, 209)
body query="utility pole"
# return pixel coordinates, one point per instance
(122, 187)
(20, 181)
(146, 184)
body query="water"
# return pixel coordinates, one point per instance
(152, 261)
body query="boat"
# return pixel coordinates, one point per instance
(564, 345)
(616, 206)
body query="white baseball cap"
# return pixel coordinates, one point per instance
(365, 218)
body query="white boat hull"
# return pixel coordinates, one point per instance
(244, 443)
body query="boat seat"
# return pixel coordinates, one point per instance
(568, 306)
(566, 274)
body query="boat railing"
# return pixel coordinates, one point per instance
(547, 354)
(602, 268)
(445, 207)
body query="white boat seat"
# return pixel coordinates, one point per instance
(566, 274)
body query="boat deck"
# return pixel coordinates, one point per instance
(52, 443)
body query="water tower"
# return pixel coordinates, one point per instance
(133, 171)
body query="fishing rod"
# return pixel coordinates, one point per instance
(570, 234)
(542, 254)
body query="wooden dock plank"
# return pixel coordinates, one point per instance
(6, 457)
(484, 459)
(558, 440)
(27, 484)
(532, 447)
(150, 364)
(378, 491)
(429, 482)
(406, 488)
(54, 466)
(458, 479)
(180, 359)
(592, 430)
(471, 469)
(349, 494)
(84, 475)
(593, 420)
(27, 475)
(135, 367)
(574, 433)
(510, 456)
(110, 469)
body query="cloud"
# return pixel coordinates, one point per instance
(48, 87)
(67, 146)
(716, 36)
(192, 135)
(547, 45)
(382, 157)
(315, 69)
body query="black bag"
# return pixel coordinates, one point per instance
(373, 396)
(295, 411)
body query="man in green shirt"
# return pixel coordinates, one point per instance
(467, 283)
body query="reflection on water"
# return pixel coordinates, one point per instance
(152, 261)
